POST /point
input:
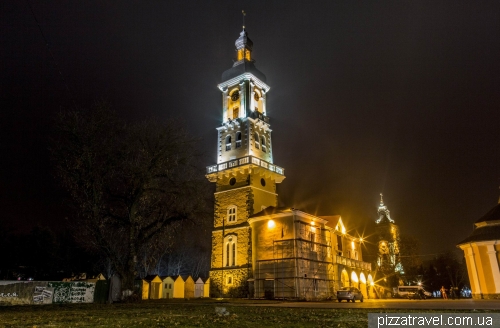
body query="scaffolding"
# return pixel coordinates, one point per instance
(301, 267)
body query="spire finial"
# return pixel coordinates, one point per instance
(244, 14)
(381, 198)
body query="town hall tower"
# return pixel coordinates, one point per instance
(245, 176)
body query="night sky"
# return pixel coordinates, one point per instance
(393, 97)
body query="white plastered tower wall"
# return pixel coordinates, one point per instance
(245, 175)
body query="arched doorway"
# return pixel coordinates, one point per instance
(354, 279)
(371, 287)
(344, 279)
(362, 284)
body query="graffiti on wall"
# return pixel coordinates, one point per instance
(42, 295)
(43, 292)
(72, 292)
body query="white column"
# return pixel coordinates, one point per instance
(242, 100)
(475, 277)
(252, 97)
(495, 270)
(263, 98)
(225, 98)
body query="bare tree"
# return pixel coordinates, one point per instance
(129, 182)
(411, 261)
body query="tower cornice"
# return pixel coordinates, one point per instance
(245, 164)
(245, 76)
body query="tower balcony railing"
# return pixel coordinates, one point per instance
(352, 263)
(260, 116)
(245, 161)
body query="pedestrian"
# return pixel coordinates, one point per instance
(452, 292)
(443, 293)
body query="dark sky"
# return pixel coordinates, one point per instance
(398, 97)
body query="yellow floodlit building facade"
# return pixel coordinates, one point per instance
(482, 255)
(258, 249)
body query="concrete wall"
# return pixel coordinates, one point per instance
(45, 292)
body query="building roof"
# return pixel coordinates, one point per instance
(242, 67)
(243, 41)
(329, 220)
(186, 277)
(486, 228)
(202, 279)
(150, 277)
(333, 220)
(271, 210)
(484, 233)
(492, 215)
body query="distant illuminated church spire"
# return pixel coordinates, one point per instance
(383, 212)
(388, 235)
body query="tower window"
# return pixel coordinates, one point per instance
(231, 214)
(236, 112)
(230, 250)
(235, 95)
(243, 54)
(258, 101)
(312, 237)
(256, 137)
(233, 255)
(228, 143)
(263, 142)
(238, 139)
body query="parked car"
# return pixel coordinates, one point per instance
(349, 294)
(413, 292)
(418, 294)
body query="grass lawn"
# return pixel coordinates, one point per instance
(163, 313)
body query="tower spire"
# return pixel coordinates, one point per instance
(383, 212)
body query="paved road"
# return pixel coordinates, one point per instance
(438, 304)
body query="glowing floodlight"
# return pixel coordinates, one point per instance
(271, 224)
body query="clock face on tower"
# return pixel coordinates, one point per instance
(235, 96)
(383, 248)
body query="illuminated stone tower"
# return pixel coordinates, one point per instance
(245, 176)
(388, 236)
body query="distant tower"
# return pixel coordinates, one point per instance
(245, 176)
(388, 240)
